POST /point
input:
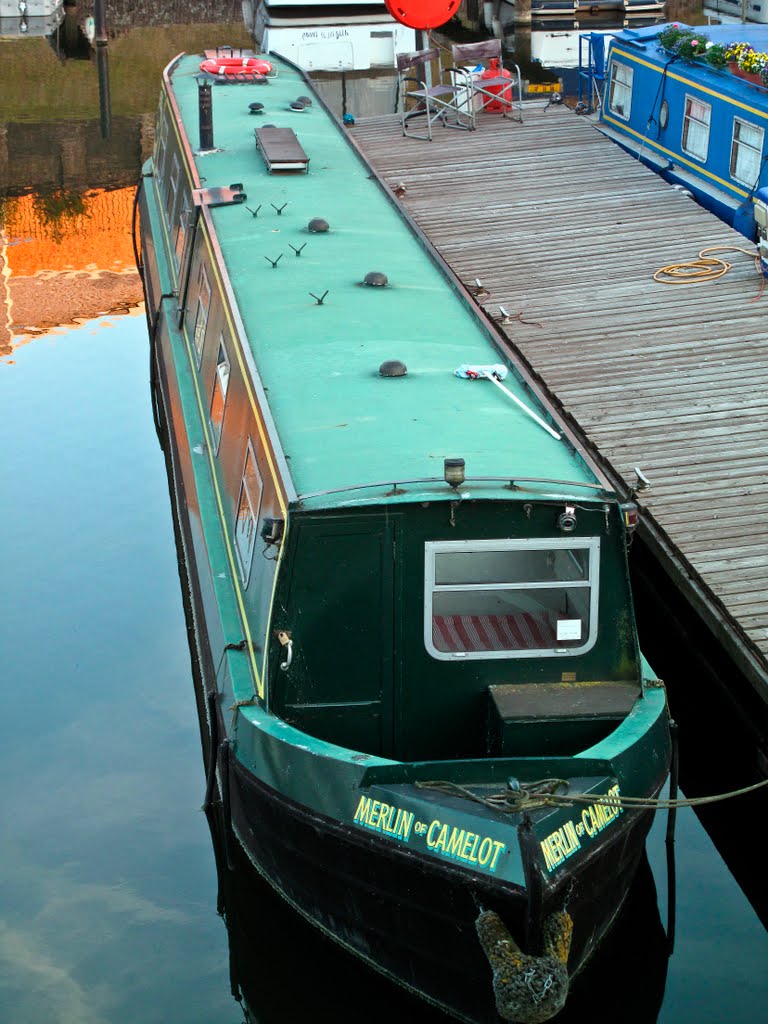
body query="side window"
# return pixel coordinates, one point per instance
(746, 151)
(510, 598)
(620, 96)
(201, 315)
(161, 140)
(173, 188)
(183, 225)
(247, 518)
(219, 392)
(696, 127)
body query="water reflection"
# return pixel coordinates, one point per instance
(65, 256)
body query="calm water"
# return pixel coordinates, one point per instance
(110, 889)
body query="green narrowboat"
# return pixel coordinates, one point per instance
(420, 682)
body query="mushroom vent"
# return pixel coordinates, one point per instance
(256, 108)
(376, 279)
(392, 368)
(317, 225)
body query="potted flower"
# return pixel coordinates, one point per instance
(716, 55)
(672, 36)
(751, 64)
(733, 51)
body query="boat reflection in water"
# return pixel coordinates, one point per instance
(281, 968)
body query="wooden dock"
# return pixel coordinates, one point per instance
(566, 231)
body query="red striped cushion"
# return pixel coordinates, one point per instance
(523, 632)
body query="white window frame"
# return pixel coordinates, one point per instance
(688, 119)
(253, 504)
(173, 187)
(621, 90)
(182, 227)
(161, 140)
(221, 374)
(202, 311)
(739, 145)
(590, 544)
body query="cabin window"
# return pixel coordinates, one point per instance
(203, 305)
(696, 127)
(746, 151)
(620, 99)
(511, 598)
(219, 393)
(173, 188)
(182, 226)
(247, 519)
(161, 141)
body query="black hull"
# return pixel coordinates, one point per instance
(407, 917)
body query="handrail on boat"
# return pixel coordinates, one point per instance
(510, 482)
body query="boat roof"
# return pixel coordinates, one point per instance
(755, 35)
(341, 423)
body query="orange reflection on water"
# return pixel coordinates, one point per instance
(64, 257)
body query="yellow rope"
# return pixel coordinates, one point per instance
(705, 268)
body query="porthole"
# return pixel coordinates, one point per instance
(664, 115)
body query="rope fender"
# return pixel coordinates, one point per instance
(528, 989)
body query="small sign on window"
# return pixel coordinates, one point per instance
(569, 629)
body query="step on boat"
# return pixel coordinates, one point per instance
(419, 676)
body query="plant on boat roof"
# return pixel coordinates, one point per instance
(735, 50)
(715, 55)
(690, 44)
(671, 36)
(752, 61)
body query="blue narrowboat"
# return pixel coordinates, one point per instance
(697, 125)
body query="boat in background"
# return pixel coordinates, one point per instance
(344, 35)
(30, 17)
(419, 677)
(734, 12)
(699, 127)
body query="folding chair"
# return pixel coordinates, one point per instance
(449, 105)
(496, 93)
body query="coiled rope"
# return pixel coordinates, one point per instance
(543, 793)
(705, 268)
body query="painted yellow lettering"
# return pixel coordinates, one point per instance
(442, 838)
(497, 848)
(373, 818)
(363, 811)
(430, 838)
(453, 847)
(404, 825)
(484, 853)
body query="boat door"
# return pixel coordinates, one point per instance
(338, 609)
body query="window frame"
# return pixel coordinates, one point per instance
(736, 145)
(161, 140)
(689, 119)
(433, 548)
(201, 322)
(245, 563)
(627, 86)
(223, 385)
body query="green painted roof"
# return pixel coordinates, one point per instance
(339, 422)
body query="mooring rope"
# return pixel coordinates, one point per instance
(544, 793)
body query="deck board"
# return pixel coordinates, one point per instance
(564, 228)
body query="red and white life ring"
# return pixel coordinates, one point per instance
(232, 67)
